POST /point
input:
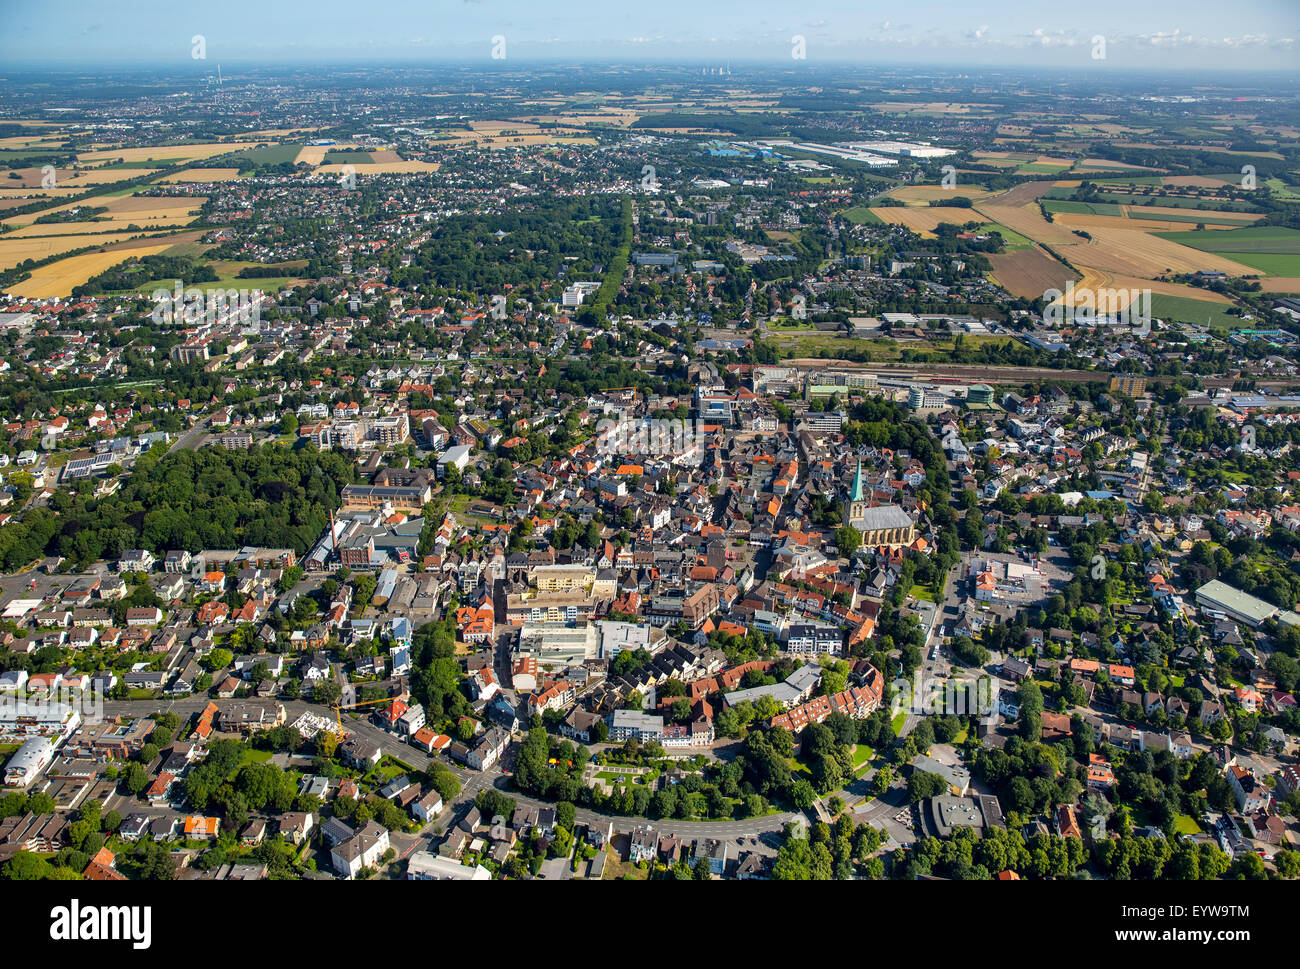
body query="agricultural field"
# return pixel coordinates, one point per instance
(263, 155)
(923, 195)
(1146, 255)
(173, 154)
(411, 167)
(923, 220)
(201, 176)
(1010, 240)
(861, 215)
(1028, 273)
(58, 278)
(1203, 312)
(67, 181)
(144, 212)
(14, 251)
(1273, 250)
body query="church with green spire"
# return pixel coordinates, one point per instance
(855, 508)
(881, 525)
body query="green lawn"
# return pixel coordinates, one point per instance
(1185, 824)
(1130, 180)
(345, 157)
(1273, 263)
(898, 723)
(269, 155)
(1257, 239)
(1081, 208)
(861, 215)
(1179, 310)
(1010, 240)
(1281, 189)
(862, 755)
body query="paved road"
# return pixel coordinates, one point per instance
(191, 439)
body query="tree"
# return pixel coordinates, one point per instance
(922, 785)
(218, 659)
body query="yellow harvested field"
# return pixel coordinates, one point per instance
(146, 204)
(1167, 289)
(203, 175)
(40, 195)
(1148, 211)
(58, 278)
(620, 118)
(1087, 223)
(1132, 252)
(1193, 181)
(932, 107)
(313, 155)
(1029, 221)
(126, 210)
(70, 179)
(1280, 284)
(29, 141)
(1108, 163)
(1122, 288)
(922, 220)
(13, 251)
(989, 158)
(114, 229)
(386, 168)
(497, 134)
(187, 152)
(923, 195)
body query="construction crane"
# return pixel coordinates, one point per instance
(338, 708)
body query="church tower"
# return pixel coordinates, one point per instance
(855, 510)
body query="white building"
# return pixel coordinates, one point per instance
(427, 866)
(31, 758)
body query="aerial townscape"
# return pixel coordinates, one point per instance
(528, 466)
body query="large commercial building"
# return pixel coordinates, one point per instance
(552, 644)
(28, 762)
(633, 723)
(1219, 597)
(404, 490)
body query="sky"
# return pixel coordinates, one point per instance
(1131, 34)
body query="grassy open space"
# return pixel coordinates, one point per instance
(266, 155)
(1255, 239)
(1179, 310)
(861, 215)
(1186, 824)
(1010, 238)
